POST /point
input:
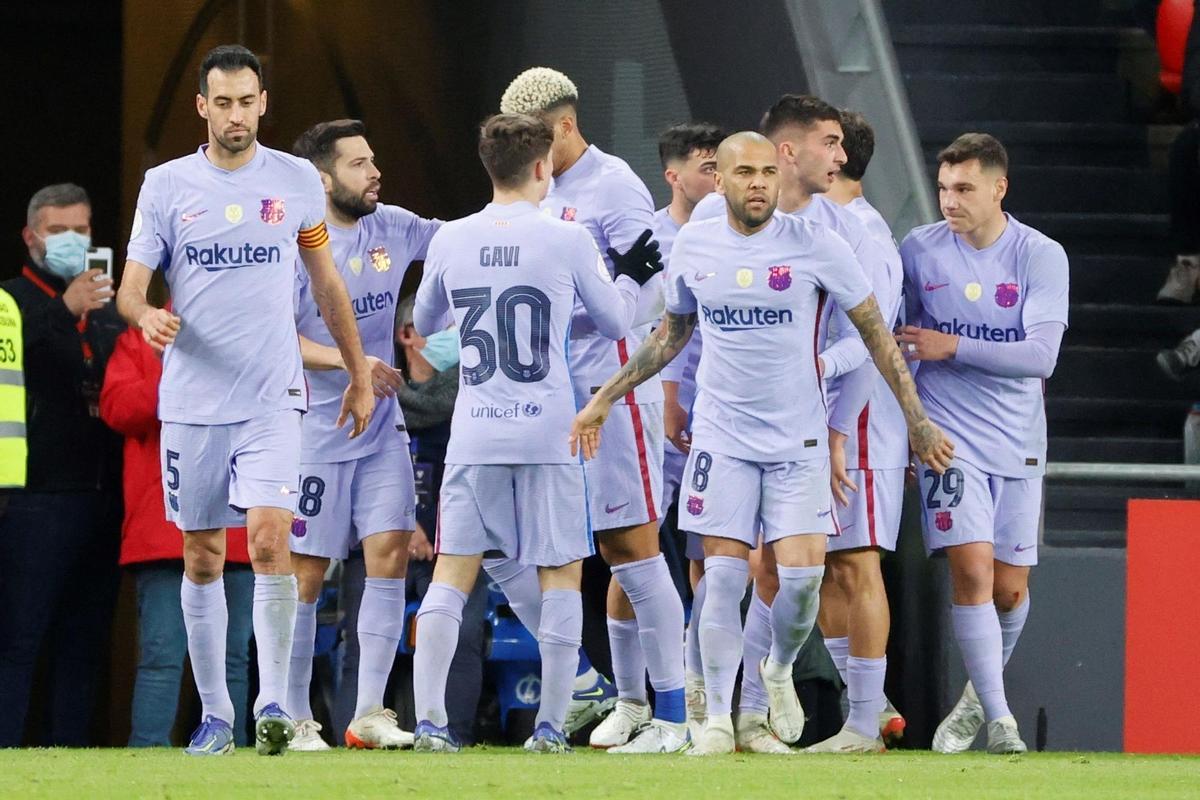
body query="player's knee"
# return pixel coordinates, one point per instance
(972, 583)
(1008, 597)
(857, 577)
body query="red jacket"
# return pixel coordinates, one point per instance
(129, 404)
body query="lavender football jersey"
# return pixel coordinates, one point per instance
(226, 243)
(760, 300)
(878, 437)
(511, 277)
(606, 197)
(992, 295)
(372, 258)
(682, 369)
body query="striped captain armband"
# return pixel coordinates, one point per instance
(314, 238)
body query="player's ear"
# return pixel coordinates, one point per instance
(262, 103)
(719, 184)
(787, 152)
(326, 180)
(1000, 191)
(202, 106)
(671, 176)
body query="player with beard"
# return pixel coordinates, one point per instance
(360, 491)
(756, 282)
(225, 225)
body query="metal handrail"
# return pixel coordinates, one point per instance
(1085, 471)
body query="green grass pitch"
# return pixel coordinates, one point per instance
(509, 774)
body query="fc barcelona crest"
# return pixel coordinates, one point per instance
(943, 521)
(1007, 294)
(380, 259)
(272, 210)
(695, 505)
(568, 214)
(779, 278)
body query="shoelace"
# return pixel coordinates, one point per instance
(207, 729)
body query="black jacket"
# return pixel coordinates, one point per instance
(70, 449)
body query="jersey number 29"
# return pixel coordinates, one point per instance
(504, 353)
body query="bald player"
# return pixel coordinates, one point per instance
(755, 282)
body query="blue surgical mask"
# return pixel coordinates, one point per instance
(66, 253)
(441, 349)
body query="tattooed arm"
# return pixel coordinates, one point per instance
(656, 352)
(928, 442)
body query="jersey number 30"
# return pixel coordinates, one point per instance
(503, 353)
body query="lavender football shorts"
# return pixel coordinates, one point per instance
(345, 502)
(967, 505)
(535, 513)
(735, 499)
(873, 517)
(626, 476)
(213, 473)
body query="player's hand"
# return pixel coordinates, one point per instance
(930, 446)
(90, 290)
(642, 261)
(159, 327)
(386, 380)
(358, 402)
(585, 430)
(675, 426)
(419, 548)
(925, 344)
(820, 368)
(839, 479)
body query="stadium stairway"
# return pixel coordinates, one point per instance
(1068, 87)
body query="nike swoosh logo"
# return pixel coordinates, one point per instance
(703, 276)
(847, 527)
(929, 287)
(193, 215)
(614, 509)
(595, 691)
(1021, 549)
(825, 513)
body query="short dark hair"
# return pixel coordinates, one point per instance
(510, 143)
(797, 109)
(982, 146)
(678, 141)
(319, 143)
(858, 140)
(229, 58)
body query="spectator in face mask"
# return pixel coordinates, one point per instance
(59, 535)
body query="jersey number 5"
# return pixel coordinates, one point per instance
(504, 353)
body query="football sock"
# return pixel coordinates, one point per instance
(1011, 625)
(659, 612)
(753, 699)
(977, 629)
(629, 664)
(380, 625)
(438, 623)
(300, 671)
(839, 651)
(274, 619)
(864, 688)
(721, 629)
(206, 618)
(558, 643)
(692, 636)
(793, 615)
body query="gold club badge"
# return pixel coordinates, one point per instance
(744, 278)
(233, 213)
(973, 291)
(356, 265)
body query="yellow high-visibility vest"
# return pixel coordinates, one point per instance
(13, 449)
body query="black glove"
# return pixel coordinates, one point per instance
(641, 261)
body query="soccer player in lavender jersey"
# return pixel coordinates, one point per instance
(870, 449)
(358, 491)
(987, 299)
(807, 134)
(224, 224)
(512, 487)
(689, 158)
(759, 457)
(603, 195)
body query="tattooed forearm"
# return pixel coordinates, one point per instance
(888, 360)
(654, 354)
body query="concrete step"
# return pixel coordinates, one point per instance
(1053, 143)
(1117, 449)
(1105, 234)
(1118, 325)
(1103, 278)
(1010, 12)
(1126, 373)
(1032, 97)
(1121, 417)
(1005, 48)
